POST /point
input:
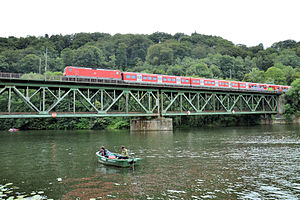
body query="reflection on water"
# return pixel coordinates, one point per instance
(223, 163)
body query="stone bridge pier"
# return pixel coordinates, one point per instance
(156, 124)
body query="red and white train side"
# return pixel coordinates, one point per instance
(169, 80)
(82, 72)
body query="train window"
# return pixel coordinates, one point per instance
(173, 79)
(187, 80)
(127, 76)
(145, 77)
(149, 78)
(165, 79)
(70, 69)
(154, 78)
(133, 76)
(213, 82)
(194, 81)
(226, 84)
(117, 72)
(198, 81)
(205, 82)
(169, 79)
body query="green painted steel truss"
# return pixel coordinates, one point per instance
(28, 100)
(216, 103)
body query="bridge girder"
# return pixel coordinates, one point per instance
(28, 100)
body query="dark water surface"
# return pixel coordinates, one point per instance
(261, 162)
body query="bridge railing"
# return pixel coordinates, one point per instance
(10, 75)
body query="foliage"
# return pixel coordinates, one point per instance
(160, 54)
(292, 98)
(276, 76)
(119, 123)
(255, 76)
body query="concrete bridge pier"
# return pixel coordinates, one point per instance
(156, 124)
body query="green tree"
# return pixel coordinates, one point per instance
(67, 55)
(4, 67)
(176, 70)
(288, 58)
(159, 54)
(284, 44)
(159, 37)
(292, 98)
(217, 73)
(199, 70)
(121, 56)
(180, 49)
(255, 76)
(88, 56)
(289, 72)
(275, 75)
(29, 63)
(201, 51)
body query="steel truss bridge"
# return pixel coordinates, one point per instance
(72, 97)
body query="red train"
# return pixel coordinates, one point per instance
(71, 71)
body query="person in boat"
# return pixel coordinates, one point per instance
(124, 153)
(104, 152)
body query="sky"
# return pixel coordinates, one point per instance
(248, 22)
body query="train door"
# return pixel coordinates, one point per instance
(178, 81)
(159, 79)
(139, 78)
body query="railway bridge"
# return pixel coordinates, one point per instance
(84, 97)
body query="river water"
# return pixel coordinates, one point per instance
(260, 162)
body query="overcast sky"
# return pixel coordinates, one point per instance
(248, 22)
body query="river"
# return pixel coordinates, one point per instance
(258, 162)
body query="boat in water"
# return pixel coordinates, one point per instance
(114, 161)
(13, 130)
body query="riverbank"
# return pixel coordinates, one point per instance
(280, 120)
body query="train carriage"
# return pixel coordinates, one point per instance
(140, 77)
(209, 82)
(223, 84)
(131, 77)
(234, 84)
(243, 85)
(262, 87)
(71, 71)
(252, 86)
(196, 81)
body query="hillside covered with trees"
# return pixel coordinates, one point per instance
(194, 55)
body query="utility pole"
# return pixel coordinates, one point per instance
(46, 61)
(40, 66)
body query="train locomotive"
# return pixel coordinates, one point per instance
(81, 72)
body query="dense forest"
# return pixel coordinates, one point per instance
(194, 55)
